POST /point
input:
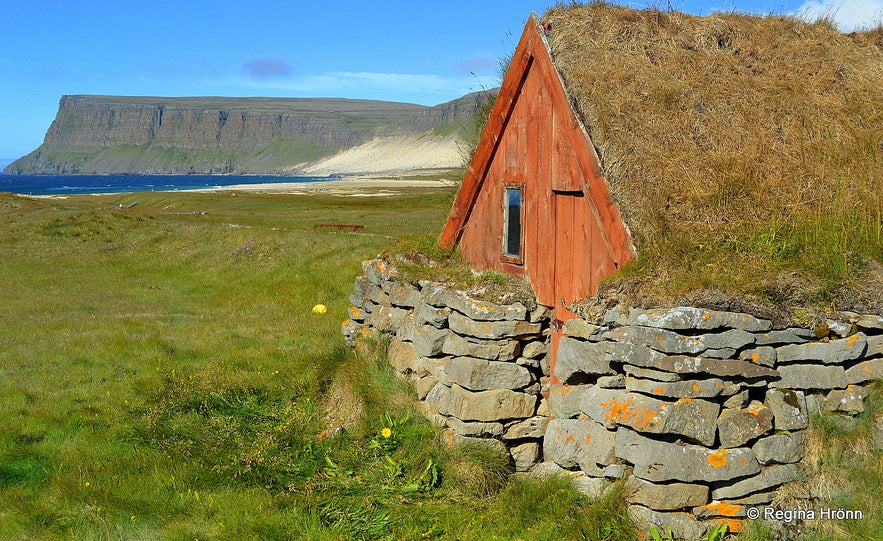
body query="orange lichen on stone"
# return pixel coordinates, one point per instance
(695, 387)
(723, 509)
(718, 459)
(588, 438)
(707, 315)
(755, 357)
(619, 412)
(355, 313)
(570, 438)
(733, 524)
(659, 390)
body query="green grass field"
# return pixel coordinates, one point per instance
(162, 376)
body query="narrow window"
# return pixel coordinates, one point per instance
(512, 225)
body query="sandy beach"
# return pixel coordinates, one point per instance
(356, 185)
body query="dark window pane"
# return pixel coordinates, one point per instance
(512, 240)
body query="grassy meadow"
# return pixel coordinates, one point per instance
(162, 376)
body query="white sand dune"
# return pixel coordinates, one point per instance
(391, 154)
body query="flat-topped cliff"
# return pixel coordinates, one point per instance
(218, 135)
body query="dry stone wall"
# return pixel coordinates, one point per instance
(701, 412)
(479, 368)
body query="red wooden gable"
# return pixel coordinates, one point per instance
(573, 236)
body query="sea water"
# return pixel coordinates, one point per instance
(86, 184)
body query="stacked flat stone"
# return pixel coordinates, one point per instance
(478, 367)
(702, 412)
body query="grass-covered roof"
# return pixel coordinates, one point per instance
(745, 152)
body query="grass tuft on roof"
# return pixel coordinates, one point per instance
(742, 150)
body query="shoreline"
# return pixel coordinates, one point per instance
(353, 185)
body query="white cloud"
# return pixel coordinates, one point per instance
(848, 15)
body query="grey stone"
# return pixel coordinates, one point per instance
(436, 367)
(352, 329)
(361, 285)
(681, 525)
(615, 471)
(832, 352)
(769, 477)
(738, 400)
(402, 294)
(875, 347)
(685, 318)
(699, 388)
(840, 328)
(611, 382)
(633, 354)
(406, 329)
(473, 308)
(481, 374)
(403, 356)
(579, 443)
(565, 401)
(649, 373)
(737, 427)
(576, 357)
(539, 314)
(535, 427)
(423, 385)
(491, 330)
(865, 371)
(378, 271)
(387, 318)
(665, 497)
(681, 364)
(672, 342)
(579, 328)
(725, 353)
(789, 409)
(849, 400)
(531, 363)
(869, 322)
(377, 295)
(784, 336)
(533, 350)
(427, 314)
(451, 438)
(437, 401)
(356, 314)
(525, 455)
(496, 350)
(811, 376)
(692, 419)
(428, 341)
(780, 448)
(475, 429)
(658, 461)
(763, 355)
(755, 499)
(492, 405)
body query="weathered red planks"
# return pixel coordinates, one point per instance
(573, 233)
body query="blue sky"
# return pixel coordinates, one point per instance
(416, 51)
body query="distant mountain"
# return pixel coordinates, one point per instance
(216, 135)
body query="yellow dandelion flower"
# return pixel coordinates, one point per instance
(320, 309)
(386, 432)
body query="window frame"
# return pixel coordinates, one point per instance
(508, 257)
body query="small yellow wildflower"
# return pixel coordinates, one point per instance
(88, 483)
(320, 309)
(386, 432)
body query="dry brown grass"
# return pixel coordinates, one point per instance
(737, 147)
